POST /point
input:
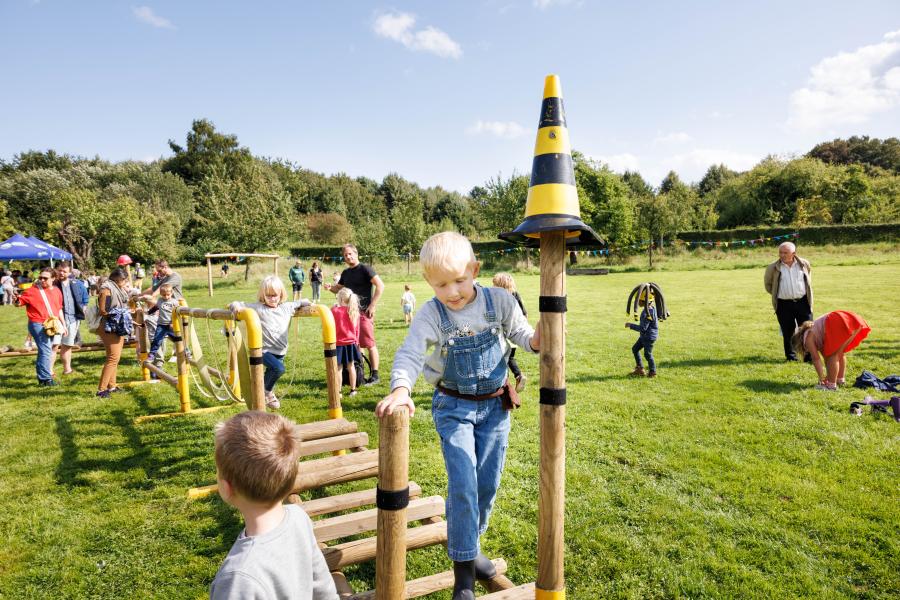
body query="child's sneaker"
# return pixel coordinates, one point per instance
(103, 394)
(826, 387)
(353, 392)
(151, 357)
(651, 374)
(520, 383)
(173, 359)
(638, 372)
(272, 401)
(372, 380)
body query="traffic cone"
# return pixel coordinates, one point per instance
(552, 202)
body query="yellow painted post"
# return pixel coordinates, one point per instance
(254, 348)
(179, 326)
(234, 381)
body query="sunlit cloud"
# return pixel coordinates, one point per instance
(500, 129)
(400, 28)
(146, 15)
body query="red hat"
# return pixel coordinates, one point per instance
(124, 260)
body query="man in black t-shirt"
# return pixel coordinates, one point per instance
(361, 279)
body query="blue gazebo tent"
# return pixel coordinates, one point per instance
(19, 247)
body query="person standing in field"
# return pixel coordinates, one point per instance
(75, 299)
(789, 281)
(408, 304)
(315, 280)
(297, 275)
(362, 279)
(42, 301)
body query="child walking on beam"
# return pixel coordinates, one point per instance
(459, 340)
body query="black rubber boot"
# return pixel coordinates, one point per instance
(464, 580)
(484, 568)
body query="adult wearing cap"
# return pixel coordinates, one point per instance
(42, 301)
(361, 279)
(789, 281)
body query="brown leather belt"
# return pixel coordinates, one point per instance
(476, 397)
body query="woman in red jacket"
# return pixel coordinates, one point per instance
(832, 335)
(41, 301)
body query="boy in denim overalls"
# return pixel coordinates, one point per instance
(465, 327)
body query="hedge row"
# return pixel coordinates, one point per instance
(822, 234)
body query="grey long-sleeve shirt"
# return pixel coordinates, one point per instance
(425, 335)
(283, 563)
(275, 323)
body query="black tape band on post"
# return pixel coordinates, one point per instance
(396, 500)
(330, 353)
(553, 397)
(176, 338)
(256, 360)
(552, 304)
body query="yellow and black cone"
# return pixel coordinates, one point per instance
(552, 203)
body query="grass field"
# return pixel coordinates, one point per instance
(728, 476)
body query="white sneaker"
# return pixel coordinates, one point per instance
(174, 359)
(272, 401)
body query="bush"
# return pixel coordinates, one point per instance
(821, 234)
(328, 228)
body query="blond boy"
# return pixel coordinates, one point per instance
(459, 340)
(276, 555)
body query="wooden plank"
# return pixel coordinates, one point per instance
(522, 592)
(341, 526)
(360, 551)
(348, 501)
(329, 444)
(321, 429)
(336, 469)
(430, 584)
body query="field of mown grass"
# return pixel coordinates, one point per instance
(728, 476)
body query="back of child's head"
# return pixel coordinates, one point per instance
(505, 281)
(346, 297)
(273, 285)
(446, 250)
(258, 454)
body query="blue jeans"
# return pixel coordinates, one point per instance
(274, 369)
(647, 345)
(44, 345)
(162, 332)
(474, 438)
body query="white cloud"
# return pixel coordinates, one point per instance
(146, 14)
(620, 162)
(501, 129)
(850, 87)
(399, 27)
(700, 159)
(675, 137)
(545, 4)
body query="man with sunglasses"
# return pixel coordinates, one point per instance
(41, 301)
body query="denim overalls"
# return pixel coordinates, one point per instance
(474, 434)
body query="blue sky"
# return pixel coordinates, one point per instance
(449, 93)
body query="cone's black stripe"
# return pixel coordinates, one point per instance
(330, 353)
(256, 360)
(553, 114)
(548, 304)
(552, 168)
(176, 338)
(552, 396)
(395, 500)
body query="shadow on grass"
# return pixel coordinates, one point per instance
(691, 363)
(775, 387)
(73, 465)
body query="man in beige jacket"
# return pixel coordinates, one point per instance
(789, 282)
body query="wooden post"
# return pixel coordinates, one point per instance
(650, 253)
(333, 381)
(209, 275)
(275, 266)
(393, 477)
(143, 341)
(257, 385)
(551, 502)
(408, 261)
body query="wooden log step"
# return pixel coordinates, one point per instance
(360, 551)
(522, 592)
(342, 526)
(322, 472)
(330, 444)
(430, 584)
(348, 501)
(321, 429)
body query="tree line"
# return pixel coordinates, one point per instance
(213, 195)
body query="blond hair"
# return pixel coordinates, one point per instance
(505, 281)
(272, 284)
(258, 454)
(446, 249)
(797, 338)
(167, 287)
(346, 297)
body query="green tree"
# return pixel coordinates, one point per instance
(6, 227)
(248, 212)
(715, 177)
(206, 151)
(407, 224)
(502, 202)
(328, 228)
